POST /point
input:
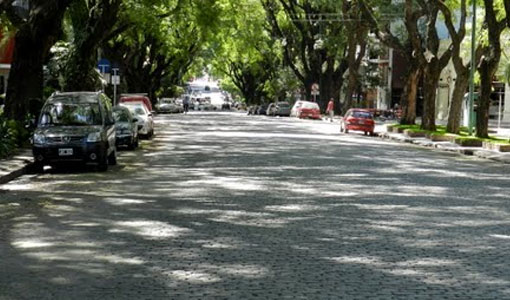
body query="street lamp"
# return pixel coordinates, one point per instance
(472, 73)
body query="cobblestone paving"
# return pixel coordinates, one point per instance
(227, 206)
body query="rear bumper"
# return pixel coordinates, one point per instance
(126, 140)
(309, 116)
(49, 154)
(358, 127)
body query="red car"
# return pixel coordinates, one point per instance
(358, 119)
(136, 98)
(308, 110)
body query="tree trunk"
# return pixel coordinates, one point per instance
(33, 41)
(409, 97)
(487, 70)
(79, 75)
(331, 89)
(352, 82)
(431, 76)
(459, 90)
(26, 75)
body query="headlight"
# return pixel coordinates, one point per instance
(39, 139)
(94, 137)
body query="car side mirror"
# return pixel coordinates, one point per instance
(134, 120)
(150, 115)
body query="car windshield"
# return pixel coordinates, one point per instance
(121, 115)
(167, 101)
(362, 115)
(136, 109)
(310, 105)
(283, 104)
(70, 114)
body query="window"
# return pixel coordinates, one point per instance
(70, 114)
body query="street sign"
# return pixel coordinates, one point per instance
(116, 79)
(104, 65)
(315, 91)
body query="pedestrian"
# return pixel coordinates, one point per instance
(185, 104)
(330, 109)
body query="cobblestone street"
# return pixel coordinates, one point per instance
(229, 206)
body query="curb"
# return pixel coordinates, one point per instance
(448, 147)
(23, 165)
(15, 174)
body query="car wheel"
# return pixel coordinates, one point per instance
(112, 159)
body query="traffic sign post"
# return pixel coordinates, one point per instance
(104, 65)
(115, 82)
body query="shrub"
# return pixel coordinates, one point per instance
(8, 137)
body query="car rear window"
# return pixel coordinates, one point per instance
(70, 114)
(310, 105)
(121, 115)
(362, 115)
(136, 109)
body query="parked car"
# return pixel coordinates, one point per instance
(75, 127)
(271, 109)
(226, 106)
(308, 110)
(169, 105)
(145, 120)
(205, 104)
(252, 109)
(282, 109)
(137, 98)
(262, 109)
(126, 127)
(358, 119)
(295, 107)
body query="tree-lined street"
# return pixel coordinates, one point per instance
(228, 206)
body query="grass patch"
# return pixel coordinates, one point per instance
(463, 136)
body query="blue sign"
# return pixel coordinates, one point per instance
(104, 65)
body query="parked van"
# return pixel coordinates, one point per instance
(75, 127)
(137, 98)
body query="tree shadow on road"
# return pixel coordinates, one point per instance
(245, 213)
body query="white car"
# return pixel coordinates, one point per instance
(144, 116)
(296, 107)
(169, 105)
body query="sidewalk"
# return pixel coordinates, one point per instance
(502, 157)
(502, 132)
(15, 166)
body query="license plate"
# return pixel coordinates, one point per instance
(361, 122)
(65, 152)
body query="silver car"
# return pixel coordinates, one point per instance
(169, 105)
